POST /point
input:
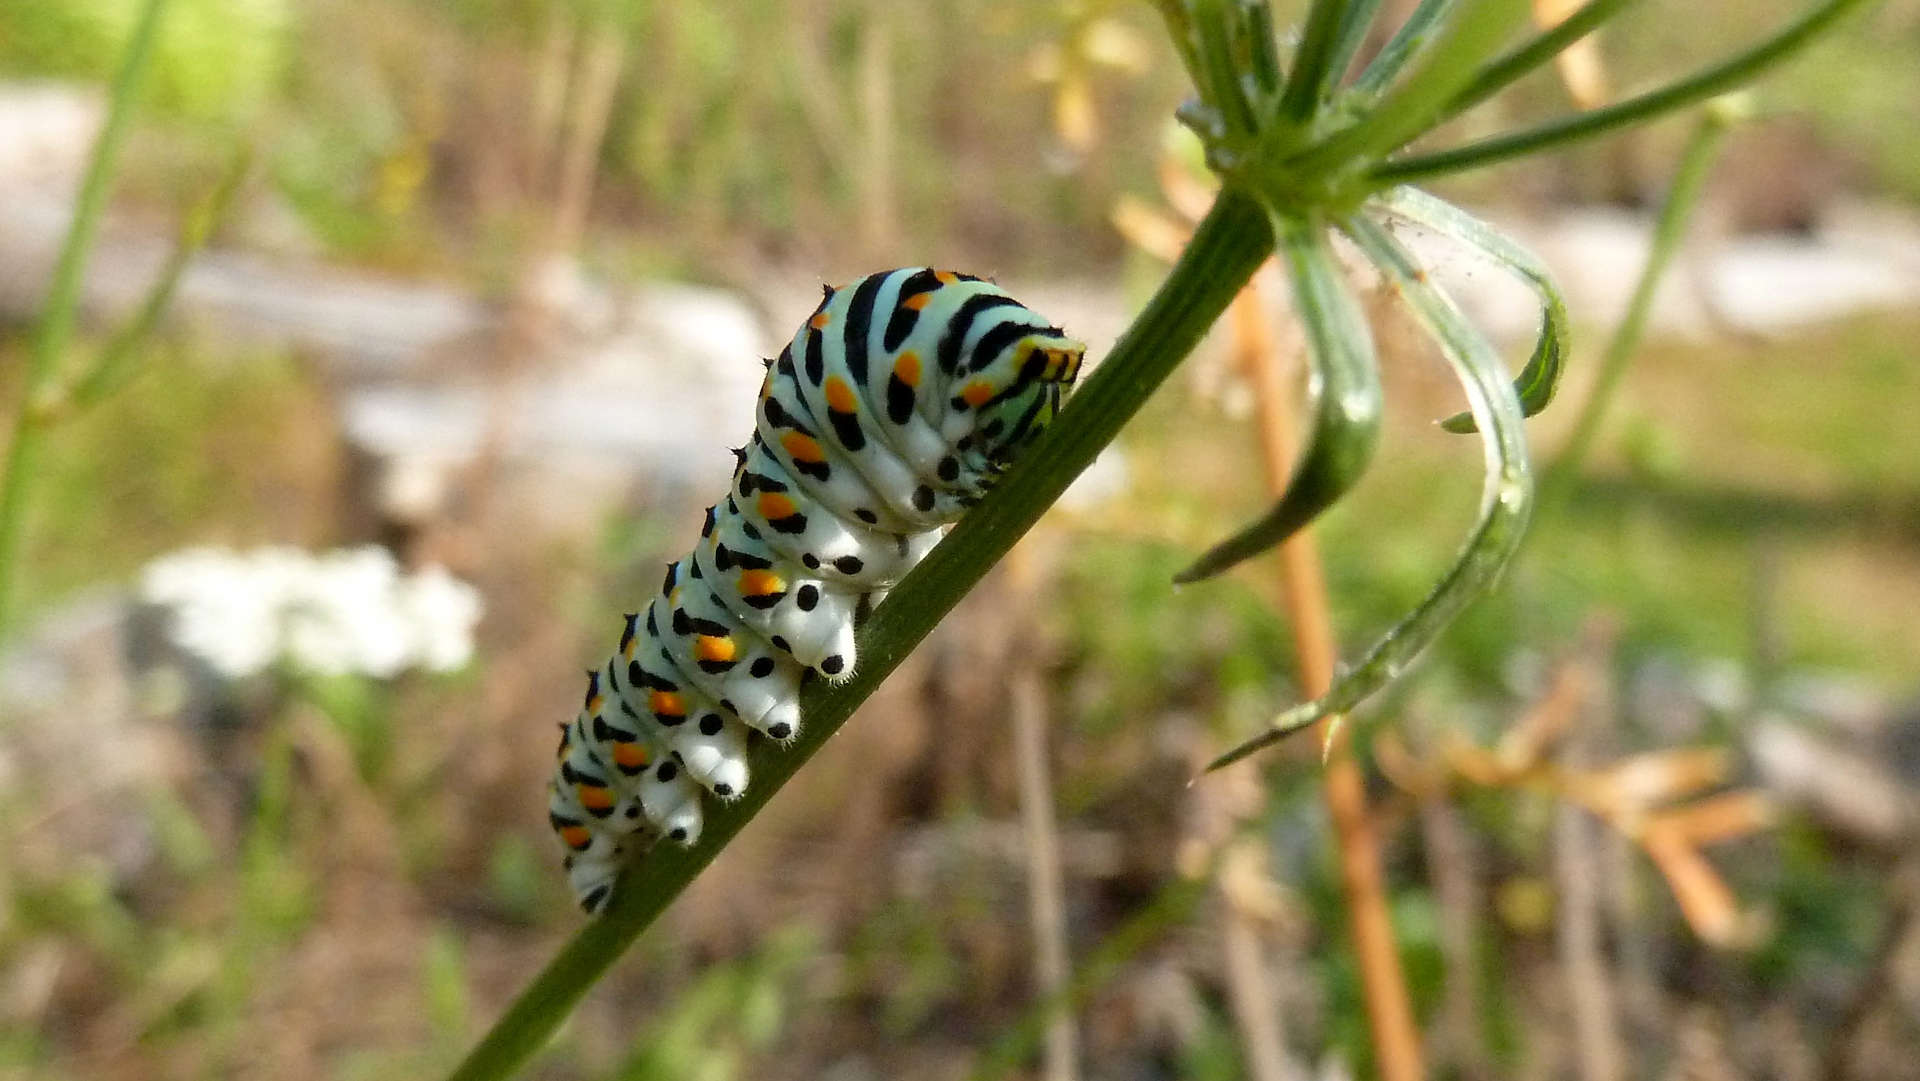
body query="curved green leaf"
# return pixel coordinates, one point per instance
(1505, 501)
(1540, 378)
(1346, 425)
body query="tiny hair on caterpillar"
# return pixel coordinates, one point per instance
(895, 407)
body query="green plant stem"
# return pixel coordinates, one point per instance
(63, 297)
(1313, 63)
(1696, 163)
(1546, 45)
(115, 362)
(1676, 95)
(1226, 249)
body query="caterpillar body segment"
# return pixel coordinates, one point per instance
(895, 407)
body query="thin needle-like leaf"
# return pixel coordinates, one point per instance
(1411, 107)
(1221, 87)
(1688, 180)
(1541, 376)
(1504, 505)
(115, 362)
(1354, 24)
(1705, 84)
(1263, 48)
(63, 294)
(1313, 63)
(1408, 42)
(1346, 424)
(1544, 46)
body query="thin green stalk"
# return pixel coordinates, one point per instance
(1408, 42)
(1263, 49)
(1225, 251)
(1505, 501)
(1346, 424)
(1222, 87)
(115, 362)
(1696, 163)
(1713, 81)
(1313, 63)
(1410, 107)
(63, 297)
(1546, 45)
(1354, 24)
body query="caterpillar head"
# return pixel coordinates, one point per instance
(1013, 398)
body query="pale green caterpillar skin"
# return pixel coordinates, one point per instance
(895, 407)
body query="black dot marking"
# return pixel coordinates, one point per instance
(723, 790)
(865, 515)
(591, 902)
(667, 772)
(832, 665)
(711, 724)
(762, 668)
(849, 565)
(781, 730)
(923, 499)
(633, 812)
(727, 704)
(993, 428)
(807, 598)
(780, 644)
(678, 834)
(810, 561)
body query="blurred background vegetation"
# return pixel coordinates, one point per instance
(491, 296)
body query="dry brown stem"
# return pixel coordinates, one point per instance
(1046, 891)
(1303, 587)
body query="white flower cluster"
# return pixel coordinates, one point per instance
(348, 610)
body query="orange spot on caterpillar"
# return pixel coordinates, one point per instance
(773, 506)
(629, 755)
(840, 397)
(819, 321)
(593, 797)
(917, 302)
(760, 583)
(978, 393)
(712, 647)
(945, 277)
(666, 704)
(907, 369)
(594, 703)
(802, 448)
(576, 837)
